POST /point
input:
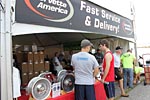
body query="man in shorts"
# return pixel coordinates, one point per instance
(118, 70)
(108, 69)
(86, 68)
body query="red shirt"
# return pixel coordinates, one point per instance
(111, 75)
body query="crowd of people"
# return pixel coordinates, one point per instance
(115, 66)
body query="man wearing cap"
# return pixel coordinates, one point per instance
(118, 74)
(86, 68)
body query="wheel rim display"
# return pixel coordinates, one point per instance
(67, 80)
(39, 88)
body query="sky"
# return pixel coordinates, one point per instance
(142, 21)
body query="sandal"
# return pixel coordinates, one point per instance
(124, 95)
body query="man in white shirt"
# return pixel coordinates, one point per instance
(118, 74)
(57, 66)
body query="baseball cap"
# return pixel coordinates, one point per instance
(118, 48)
(85, 43)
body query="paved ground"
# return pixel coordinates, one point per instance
(117, 89)
(139, 92)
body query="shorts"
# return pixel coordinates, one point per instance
(110, 90)
(118, 75)
(84, 92)
(138, 70)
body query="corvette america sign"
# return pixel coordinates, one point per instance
(73, 14)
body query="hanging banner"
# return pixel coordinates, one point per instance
(73, 14)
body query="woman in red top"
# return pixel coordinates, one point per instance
(108, 69)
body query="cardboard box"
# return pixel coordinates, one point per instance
(30, 67)
(31, 75)
(27, 48)
(56, 89)
(41, 71)
(24, 78)
(24, 67)
(41, 56)
(36, 67)
(30, 57)
(47, 66)
(36, 74)
(27, 57)
(34, 47)
(41, 66)
(19, 56)
(36, 56)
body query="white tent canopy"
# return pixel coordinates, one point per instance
(26, 34)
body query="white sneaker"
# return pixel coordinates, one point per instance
(139, 82)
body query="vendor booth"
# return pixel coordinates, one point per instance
(99, 94)
(80, 18)
(59, 25)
